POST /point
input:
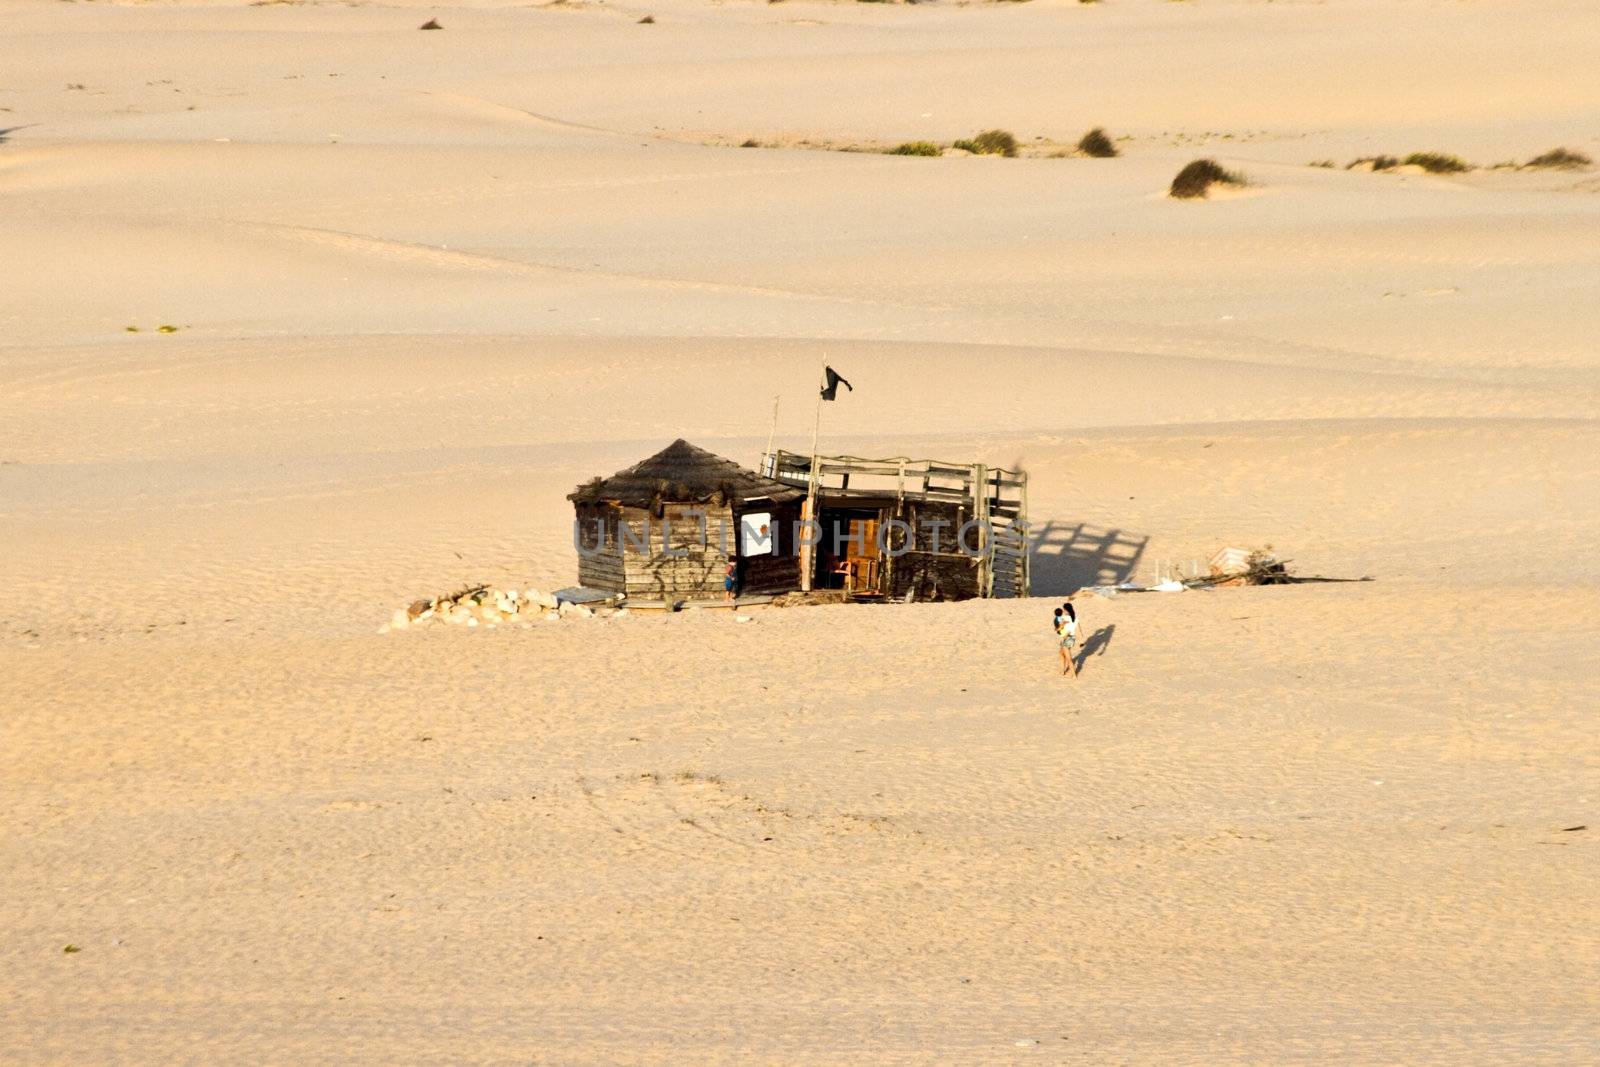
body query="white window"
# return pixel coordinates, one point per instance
(755, 534)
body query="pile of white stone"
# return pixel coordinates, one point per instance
(487, 606)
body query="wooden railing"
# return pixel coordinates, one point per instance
(995, 496)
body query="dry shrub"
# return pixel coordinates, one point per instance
(1561, 159)
(1198, 177)
(1437, 163)
(990, 143)
(1095, 143)
(1378, 162)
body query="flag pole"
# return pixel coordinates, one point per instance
(815, 428)
(808, 551)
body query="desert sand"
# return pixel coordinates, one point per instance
(424, 283)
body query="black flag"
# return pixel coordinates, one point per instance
(831, 390)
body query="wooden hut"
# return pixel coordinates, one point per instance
(907, 529)
(666, 527)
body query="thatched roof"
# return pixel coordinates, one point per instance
(682, 474)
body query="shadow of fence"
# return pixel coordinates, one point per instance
(1065, 557)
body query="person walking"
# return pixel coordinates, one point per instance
(730, 579)
(1066, 627)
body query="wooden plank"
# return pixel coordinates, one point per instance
(1025, 582)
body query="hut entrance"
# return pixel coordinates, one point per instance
(850, 556)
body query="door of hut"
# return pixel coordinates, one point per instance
(863, 559)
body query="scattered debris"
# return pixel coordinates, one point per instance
(431, 24)
(593, 598)
(648, 20)
(1257, 567)
(70, 949)
(484, 605)
(815, 596)
(1228, 567)
(1574, 829)
(1241, 566)
(1229, 560)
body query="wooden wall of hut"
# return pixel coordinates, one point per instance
(946, 574)
(635, 559)
(685, 554)
(778, 571)
(599, 552)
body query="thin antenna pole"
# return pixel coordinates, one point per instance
(772, 436)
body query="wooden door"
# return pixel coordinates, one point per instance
(862, 554)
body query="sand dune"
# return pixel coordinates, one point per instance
(423, 284)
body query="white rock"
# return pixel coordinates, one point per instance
(741, 618)
(399, 620)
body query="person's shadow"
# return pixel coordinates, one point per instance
(1097, 644)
